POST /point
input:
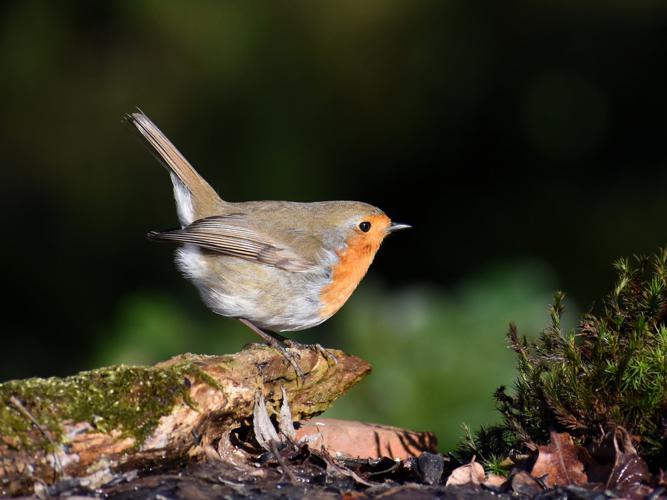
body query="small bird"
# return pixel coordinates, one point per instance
(277, 266)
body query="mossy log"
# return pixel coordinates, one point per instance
(98, 423)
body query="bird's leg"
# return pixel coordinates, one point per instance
(278, 343)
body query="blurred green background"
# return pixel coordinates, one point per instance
(524, 141)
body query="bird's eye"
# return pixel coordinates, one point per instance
(365, 226)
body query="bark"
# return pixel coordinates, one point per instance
(96, 424)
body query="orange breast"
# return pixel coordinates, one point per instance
(354, 261)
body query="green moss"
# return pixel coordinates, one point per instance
(610, 371)
(128, 399)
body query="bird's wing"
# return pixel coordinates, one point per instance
(232, 235)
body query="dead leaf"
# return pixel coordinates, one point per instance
(472, 473)
(559, 462)
(285, 422)
(364, 440)
(495, 481)
(265, 433)
(629, 474)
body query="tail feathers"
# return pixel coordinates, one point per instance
(195, 198)
(168, 235)
(153, 235)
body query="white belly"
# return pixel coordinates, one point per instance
(269, 297)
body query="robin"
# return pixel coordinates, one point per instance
(277, 266)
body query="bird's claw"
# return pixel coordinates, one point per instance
(327, 354)
(291, 359)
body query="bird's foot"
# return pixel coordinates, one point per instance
(280, 344)
(326, 353)
(290, 357)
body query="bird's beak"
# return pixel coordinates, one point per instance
(395, 226)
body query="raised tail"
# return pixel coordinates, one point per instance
(195, 198)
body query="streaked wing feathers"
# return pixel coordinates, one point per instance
(228, 235)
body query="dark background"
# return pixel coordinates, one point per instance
(524, 141)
